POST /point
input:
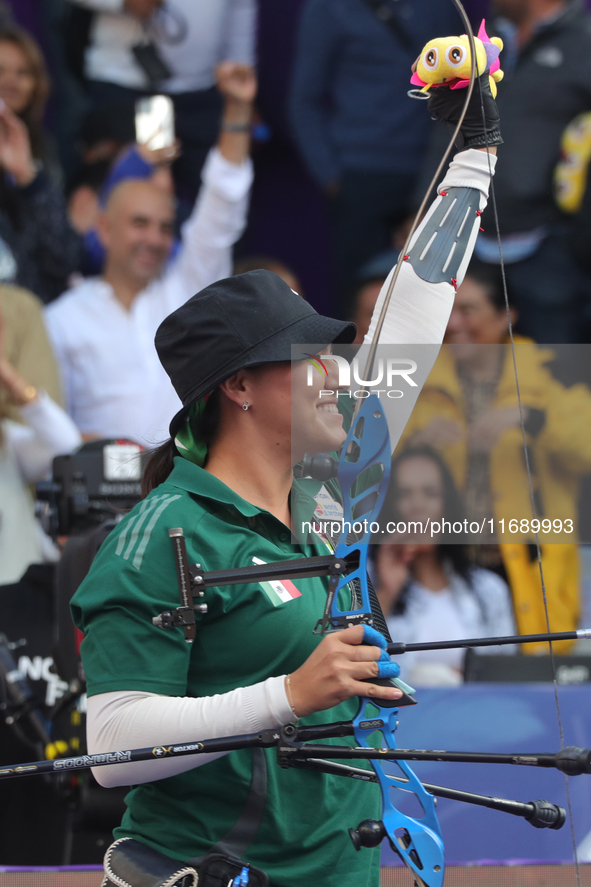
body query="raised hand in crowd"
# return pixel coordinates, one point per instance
(237, 82)
(19, 391)
(438, 433)
(15, 147)
(161, 160)
(488, 427)
(159, 156)
(238, 85)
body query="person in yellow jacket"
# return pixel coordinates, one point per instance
(469, 411)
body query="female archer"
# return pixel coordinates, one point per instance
(225, 476)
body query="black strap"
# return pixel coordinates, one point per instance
(386, 13)
(237, 841)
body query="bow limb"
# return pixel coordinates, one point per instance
(418, 842)
(367, 449)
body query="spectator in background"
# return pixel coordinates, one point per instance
(93, 184)
(369, 280)
(468, 411)
(188, 40)
(82, 194)
(24, 88)
(573, 189)
(38, 248)
(430, 591)
(547, 64)
(361, 137)
(268, 263)
(26, 347)
(27, 446)
(103, 330)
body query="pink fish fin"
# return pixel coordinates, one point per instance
(482, 35)
(459, 84)
(416, 80)
(492, 50)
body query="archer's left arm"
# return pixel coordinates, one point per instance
(438, 256)
(441, 247)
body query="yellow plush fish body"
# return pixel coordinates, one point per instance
(446, 61)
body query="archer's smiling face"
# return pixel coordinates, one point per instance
(316, 424)
(293, 417)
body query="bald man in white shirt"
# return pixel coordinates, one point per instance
(103, 329)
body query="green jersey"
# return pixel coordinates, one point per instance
(251, 632)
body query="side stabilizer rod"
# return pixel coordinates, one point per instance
(539, 814)
(397, 649)
(571, 760)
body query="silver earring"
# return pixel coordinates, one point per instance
(245, 405)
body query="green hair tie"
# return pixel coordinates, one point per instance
(192, 448)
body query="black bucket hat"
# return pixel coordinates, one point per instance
(238, 322)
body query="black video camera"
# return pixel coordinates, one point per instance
(99, 481)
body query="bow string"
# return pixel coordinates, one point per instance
(419, 843)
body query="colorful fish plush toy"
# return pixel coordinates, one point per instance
(446, 61)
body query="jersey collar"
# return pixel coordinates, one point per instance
(190, 477)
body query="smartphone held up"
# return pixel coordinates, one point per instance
(154, 122)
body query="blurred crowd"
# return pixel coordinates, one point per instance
(297, 149)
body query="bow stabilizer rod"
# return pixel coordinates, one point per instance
(397, 649)
(264, 739)
(539, 814)
(572, 760)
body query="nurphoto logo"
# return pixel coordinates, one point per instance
(399, 369)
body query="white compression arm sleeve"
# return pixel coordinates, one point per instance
(419, 310)
(131, 719)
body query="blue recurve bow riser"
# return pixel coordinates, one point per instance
(363, 475)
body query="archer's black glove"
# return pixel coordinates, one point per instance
(477, 130)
